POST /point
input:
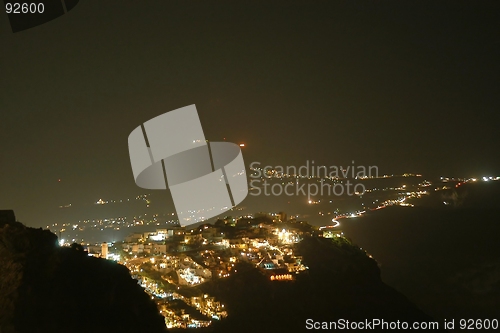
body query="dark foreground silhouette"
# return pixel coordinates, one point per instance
(47, 288)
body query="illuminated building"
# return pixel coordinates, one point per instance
(104, 250)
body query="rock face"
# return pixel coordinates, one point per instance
(47, 288)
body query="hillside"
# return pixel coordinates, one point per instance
(47, 288)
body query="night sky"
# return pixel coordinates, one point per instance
(398, 84)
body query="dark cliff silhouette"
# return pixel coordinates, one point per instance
(47, 288)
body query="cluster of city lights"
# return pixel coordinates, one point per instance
(281, 277)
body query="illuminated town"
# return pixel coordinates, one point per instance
(172, 263)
